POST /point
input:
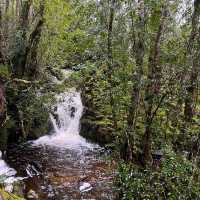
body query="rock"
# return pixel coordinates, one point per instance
(85, 187)
(32, 195)
(96, 132)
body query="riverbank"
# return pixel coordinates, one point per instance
(63, 164)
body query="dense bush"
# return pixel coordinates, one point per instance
(27, 113)
(172, 181)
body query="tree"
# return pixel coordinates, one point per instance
(1, 38)
(110, 59)
(194, 64)
(138, 52)
(20, 53)
(153, 84)
(32, 47)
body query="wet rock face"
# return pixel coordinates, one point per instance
(91, 126)
(94, 132)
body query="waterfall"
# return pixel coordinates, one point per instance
(66, 122)
(68, 112)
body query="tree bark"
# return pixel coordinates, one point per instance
(152, 89)
(19, 59)
(110, 61)
(2, 58)
(2, 104)
(32, 48)
(193, 54)
(17, 8)
(7, 5)
(138, 48)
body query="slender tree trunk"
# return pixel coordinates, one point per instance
(1, 38)
(7, 5)
(2, 89)
(193, 54)
(17, 8)
(153, 87)
(32, 48)
(110, 61)
(2, 104)
(19, 59)
(138, 55)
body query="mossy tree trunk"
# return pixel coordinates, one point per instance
(153, 86)
(32, 48)
(25, 58)
(1, 38)
(20, 56)
(138, 51)
(193, 58)
(110, 61)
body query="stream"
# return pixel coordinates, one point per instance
(63, 165)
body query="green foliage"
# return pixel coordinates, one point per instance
(19, 45)
(172, 181)
(9, 196)
(5, 71)
(64, 42)
(34, 113)
(75, 36)
(30, 111)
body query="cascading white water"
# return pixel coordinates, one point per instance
(66, 122)
(69, 109)
(7, 175)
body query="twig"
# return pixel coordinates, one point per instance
(158, 106)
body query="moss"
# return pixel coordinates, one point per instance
(27, 111)
(9, 196)
(5, 71)
(96, 131)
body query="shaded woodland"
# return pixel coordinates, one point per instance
(137, 64)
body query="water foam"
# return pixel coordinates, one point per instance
(7, 175)
(66, 123)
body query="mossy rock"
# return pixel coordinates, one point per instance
(96, 131)
(9, 196)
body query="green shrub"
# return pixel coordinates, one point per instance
(27, 108)
(173, 181)
(4, 71)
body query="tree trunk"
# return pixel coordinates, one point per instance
(2, 90)
(152, 89)
(193, 52)
(110, 61)
(17, 8)
(32, 48)
(138, 55)
(1, 38)
(2, 104)
(7, 5)
(19, 59)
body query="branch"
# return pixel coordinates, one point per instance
(5, 120)
(158, 106)
(26, 82)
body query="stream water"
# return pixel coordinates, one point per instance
(63, 165)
